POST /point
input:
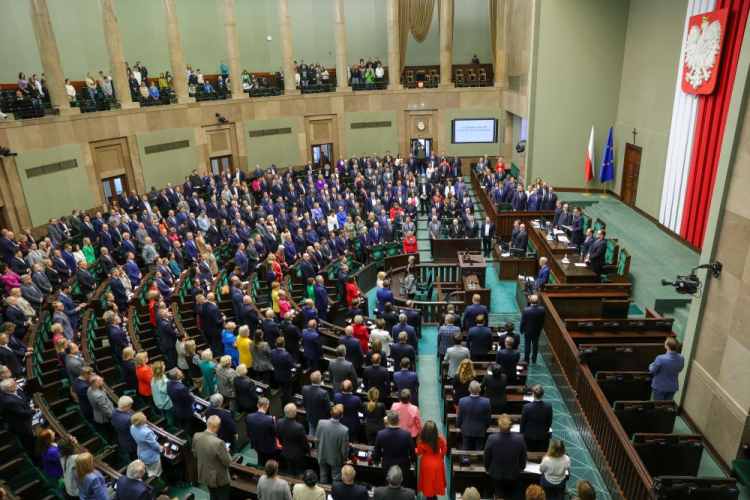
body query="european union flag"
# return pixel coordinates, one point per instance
(607, 172)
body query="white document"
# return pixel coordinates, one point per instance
(528, 397)
(515, 428)
(559, 231)
(532, 468)
(580, 264)
(563, 239)
(505, 254)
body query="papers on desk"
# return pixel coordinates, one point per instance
(532, 468)
(515, 428)
(507, 254)
(528, 397)
(562, 239)
(558, 231)
(580, 264)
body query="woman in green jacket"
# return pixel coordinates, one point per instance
(208, 370)
(88, 251)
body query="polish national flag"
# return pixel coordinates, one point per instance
(589, 168)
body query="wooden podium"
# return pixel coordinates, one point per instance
(474, 262)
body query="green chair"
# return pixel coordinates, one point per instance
(392, 249)
(376, 252)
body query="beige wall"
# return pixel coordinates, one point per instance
(313, 118)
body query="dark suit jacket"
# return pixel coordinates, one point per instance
(471, 313)
(262, 432)
(270, 332)
(16, 412)
(247, 398)
(133, 489)
(388, 493)
(505, 456)
(479, 340)
(341, 491)
(293, 439)
(227, 429)
(522, 240)
(508, 359)
(400, 351)
(394, 447)
(9, 359)
(532, 321)
(121, 423)
(182, 400)
(598, 254)
(474, 416)
(317, 403)
(353, 350)
(378, 377)
(353, 406)
(536, 420)
(406, 379)
(282, 365)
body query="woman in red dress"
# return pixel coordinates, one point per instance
(352, 291)
(432, 448)
(410, 243)
(361, 333)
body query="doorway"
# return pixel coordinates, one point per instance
(423, 142)
(221, 164)
(322, 152)
(630, 171)
(113, 187)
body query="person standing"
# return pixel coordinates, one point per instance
(474, 418)
(261, 429)
(149, 450)
(316, 401)
(272, 487)
(536, 421)
(90, 481)
(182, 401)
(394, 446)
(347, 489)
(131, 485)
(332, 444)
(293, 439)
(394, 490)
(532, 322)
(213, 460)
(666, 369)
(504, 460)
(121, 422)
(432, 447)
(554, 468)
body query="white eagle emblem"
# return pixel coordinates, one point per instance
(701, 49)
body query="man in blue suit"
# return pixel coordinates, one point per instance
(522, 238)
(353, 349)
(504, 459)
(536, 421)
(586, 247)
(474, 310)
(407, 379)
(394, 446)
(508, 359)
(130, 486)
(283, 366)
(519, 199)
(479, 339)
(240, 259)
(312, 345)
(316, 401)
(321, 298)
(131, 268)
(474, 418)
(576, 227)
(666, 369)
(70, 307)
(182, 401)
(309, 312)
(532, 322)
(403, 350)
(121, 422)
(384, 295)
(261, 429)
(353, 407)
(543, 277)
(411, 333)
(374, 235)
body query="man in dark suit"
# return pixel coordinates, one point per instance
(455, 231)
(532, 322)
(522, 238)
(549, 199)
(182, 401)
(564, 219)
(106, 261)
(14, 315)
(17, 413)
(248, 314)
(576, 227)
(347, 489)
(227, 429)
(519, 199)
(353, 349)
(394, 490)
(536, 421)
(341, 369)
(394, 446)
(406, 379)
(316, 402)
(504, 460)
(474, 418)
(471, 228)
(402, 350)
(130, 486)
(262, 432)
(294, 444)
(377, 376)
(307, 269)
(411, 333)
(488, 234)
(543, 276)
(168, 335)
(353, 407)
(508, 359)
(598, 253)
(121, 422)
(413, 318)
(283, 364)
(586, 247)
(479, 339)
(384, 295)
(271, 330)
(321, 298)
(474, 310)
(312, 345)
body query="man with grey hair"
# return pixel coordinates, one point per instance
(394, 490)
(227, 430)
(394, 446)
(5, 373)
(347, 489)
(131, 485)
(121, 422)
(261, 429)
(294, 445)
(18, 413)
(212, 459)
(332, 444)
(102, 406)
(411, 332)
(321, 298)
(341, 369)
(543, 277)
(474, 417)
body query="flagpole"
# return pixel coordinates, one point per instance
(604, 193)
(587, 190)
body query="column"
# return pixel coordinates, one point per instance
(446, 42)
(116, 55)
(339, 37)
(499, 62)
(53, 73)
(177, 63)
(394, 51)
(233, 50)
(287, 47)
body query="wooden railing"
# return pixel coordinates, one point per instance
(619, 464)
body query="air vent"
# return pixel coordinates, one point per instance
(51, 168)
(168, 146)
(360, 125)
(270, 131)
(514, 82)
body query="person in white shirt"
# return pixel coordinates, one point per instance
(200, 77)
(381, 334)
(554, 468)
(137, 75)
(70, 90)
(379, 72)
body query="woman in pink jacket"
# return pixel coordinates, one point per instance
(11, 279)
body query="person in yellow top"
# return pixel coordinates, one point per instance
(275, 297)
(243, 345)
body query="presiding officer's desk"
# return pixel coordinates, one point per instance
(508, 268)
(555, 252)
(464, 475)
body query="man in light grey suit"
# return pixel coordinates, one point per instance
(341, 369)
(102, 406)
(252, 258)
(59, 316)
(41, 281)
(73, 363)
(455, 355)
(34, 256)
(32, 294)
(435, 230)
(141, 234)
(332, 444)
(149, 254)
(409, 226)
(54, 231)
(213, 459)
